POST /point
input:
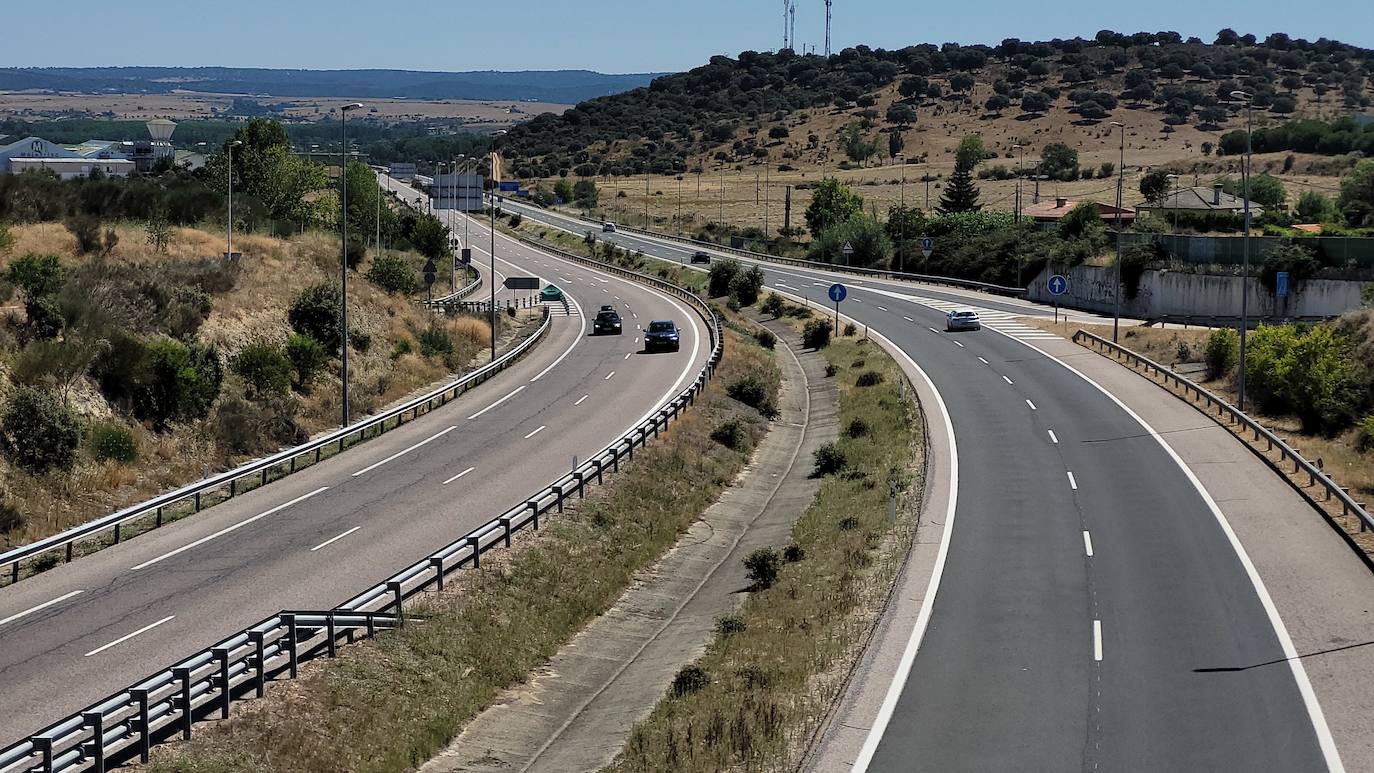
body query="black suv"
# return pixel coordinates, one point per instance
(662, 334)
(701, 256)
(607, 321)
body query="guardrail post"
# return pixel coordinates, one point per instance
(615, 459)
(145, 738)
(332, 646)
(505, 524)
(475, 544)
(437, 564)
(577, 476)
(197, 501)
(233, 488)
(533, 505)
(96, 722)
(599, 465)
(395, 587)
(44, 747)
(222, 656)
(259, 660)
(558, 492)
(183, 675)
(116, 533)
(14, 567)
(290, 620)
(159, 517)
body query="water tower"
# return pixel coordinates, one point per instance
(161, 131)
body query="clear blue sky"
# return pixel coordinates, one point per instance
(605, 35)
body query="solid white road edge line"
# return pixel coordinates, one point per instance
(513, 393)
(459, 475)
(228, 529)
(401, 453)
(127, 637)
(332, 540)
(42, 606)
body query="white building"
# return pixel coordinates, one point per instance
(36, 153)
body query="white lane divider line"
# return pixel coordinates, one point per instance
(332, 540)
(42, 606)
(1032, 405)
(959, 344)
(229, 529)
(608, 376)
(856, 300)
(985, 362)
(127, 637)
(459, 475)
(882, 308)
(1009, 381)
(536, 432)
(628, 355)
(517, 391)
(399, 454)
(908, 319)
(1053, 437)
(933, 330)
(1073, 484)
(581, 400)
(1087, 543)
(1097, 640)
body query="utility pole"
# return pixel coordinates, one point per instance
(229, 247)
(1249, 101)
(722, 196)
(767, 169)
(343, 250)
(1120, 192)
(1020, 173)
(646, 201)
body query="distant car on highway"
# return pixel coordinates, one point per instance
(608, 227)
(701, 256)
(962, 319)
(551, 293)
(662, 335)
(607, 322)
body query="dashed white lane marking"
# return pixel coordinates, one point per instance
(581, 400)
(229, 529)
(332, 540)
(1009, 381)
(536, 432)
(985, 362)
(933, 330)
(1032, 405)
(608, 376)
(959, 344)
(1097, 640)
(1087, 543)
(882, 308)
(517, 391)
(401, 453)
(127, 637)
(42, 606)
(1073, 484)
(628, 355)
(908, 319)
(1054, 438)
(459, 475)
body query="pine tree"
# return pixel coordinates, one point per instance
(960, 195)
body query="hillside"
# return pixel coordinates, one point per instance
(557, 86)
(789, 109)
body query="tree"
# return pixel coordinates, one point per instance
(1083, 221)
(855, 145)
(720, 276)
(563, 189)
(263, 368)
(996, 103)
(585, 193)
(904, 225)
(960, 194)
(961, 82)
(901, 114)
(831, 202)
(1313, 207)
(865, 235)
(1356, 200)
(430, 236)
(37, 432)
(1154, 185)
(970, 152)
(913, 86)
(393, 274)
(1092, 111)
(266, 170)
(37, 276)
(1265, 190)
(895, 143)
(1059, 162)
(307, 357)
(316, 313)
(1035, 102)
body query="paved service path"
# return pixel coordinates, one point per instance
(577, 713)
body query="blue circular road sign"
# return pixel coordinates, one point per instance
(837, 292)
(1058, 284)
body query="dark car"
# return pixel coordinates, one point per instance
(607, 321)
(662, 335)
(701, 256)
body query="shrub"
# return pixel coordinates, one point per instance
(36, 275)
(263, 368)
(793, 553)
(732, 434)
(516, 219)
(113, 443)
(307, 358)
(435, 341)
(360, 340)
(161, 380)
(869, 378)
(1222, 352)
(1364, 435)
(393, 274)
(357, 250)
(401, 348)
(774, 305)
(816, 334)
(829, 459)
(45, 321)
(766, 339)
(689, 679)
(729, 625)
(316, 312)
(761, 567)
(746, 285)
(37, 432)
(1312, 374)
(86, 229)
(6, 238)
(749, 390)
(721, 276)
(830, 370)
(255, 426)
(11, 520)
(849, 330)
(858, 428)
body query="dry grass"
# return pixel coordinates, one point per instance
(273, 271)
(771, 684)
(390, 703)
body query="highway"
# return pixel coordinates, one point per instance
(1089, 583)
(83, 630)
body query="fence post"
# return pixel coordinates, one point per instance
(259, 660)
(290, 619)
(96, 722)
(145, 739)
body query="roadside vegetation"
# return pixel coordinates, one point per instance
(391, 703)
(754, 699)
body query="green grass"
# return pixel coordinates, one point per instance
(772, 682)
(391, 703)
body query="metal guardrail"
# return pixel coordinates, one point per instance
(967, 284)
(127, 724)
(1315, 476)
(1212, 320)
(228, 484)
(457, 295)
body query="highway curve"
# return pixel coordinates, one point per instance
(81, 631)
(1090, 588)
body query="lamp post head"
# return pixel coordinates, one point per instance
(236, 143)
(1242, 96)
(353, 106)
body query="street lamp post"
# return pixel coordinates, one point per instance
(1120, 193)
(343, 250)
(1020, 172)
(229, 246)
(1173, 189)
(1249, 101)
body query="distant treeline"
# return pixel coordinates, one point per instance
(1344, 135)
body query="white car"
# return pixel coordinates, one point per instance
(608, 227)
(962, 319)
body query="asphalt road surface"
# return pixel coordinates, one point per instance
(77, 633)
(1093, 612)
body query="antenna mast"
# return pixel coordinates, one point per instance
(827, 28)
(786, 31)
(793, 29)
